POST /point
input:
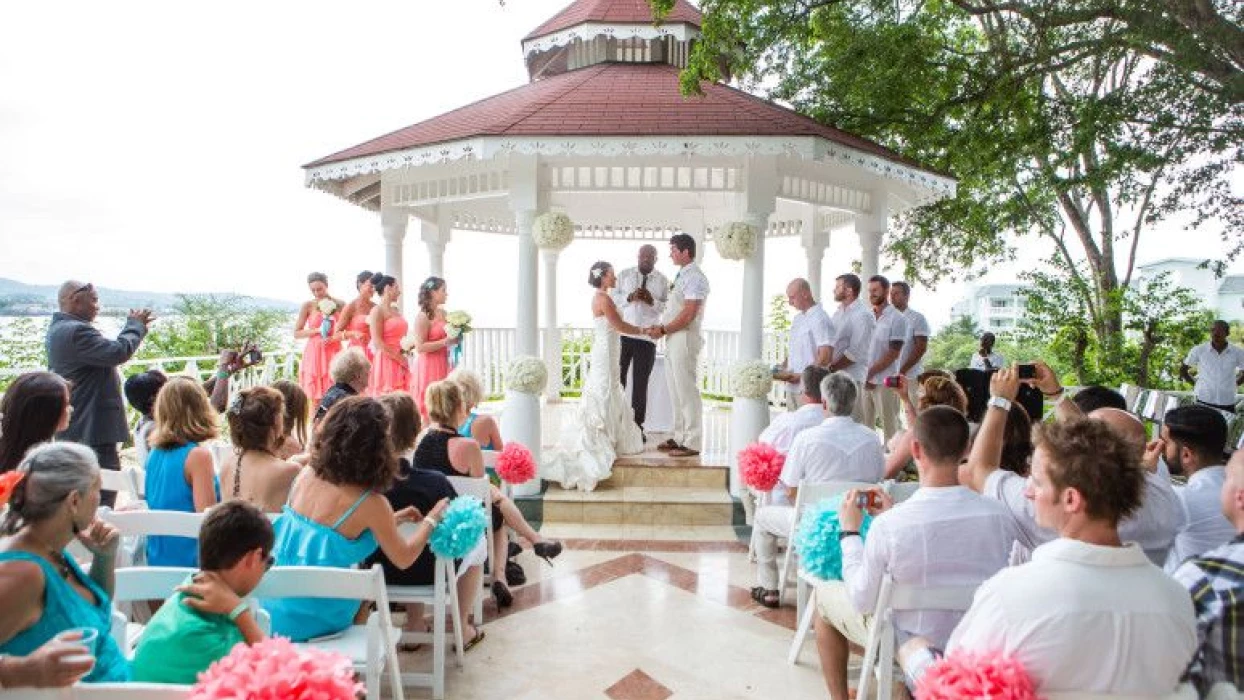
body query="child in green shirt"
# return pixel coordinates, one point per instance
(207, 617)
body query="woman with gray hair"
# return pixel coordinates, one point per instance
(350, 370)
(49, 603)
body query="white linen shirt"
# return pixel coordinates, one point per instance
(1215, 376)
(917, 327)
(690, 284)
(638, 313)
(1153, 527)
(782, 431)
(891, 326)
(839, 449)
(996, 361)
(1086, 618)
(810, 331)
(853, 327)
(1205, 527)
(942, 536)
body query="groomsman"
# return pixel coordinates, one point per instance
(640, 295)
(811, 340)
(853, 326)
(681, 322)
(889, 336)
(911, 363)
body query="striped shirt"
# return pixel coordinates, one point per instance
(1216, 582)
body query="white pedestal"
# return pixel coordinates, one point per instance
(522, 425)
(660, 412)
(748, 417)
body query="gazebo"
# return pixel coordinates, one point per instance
(602, 133)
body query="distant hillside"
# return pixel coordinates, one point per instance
(21, 299)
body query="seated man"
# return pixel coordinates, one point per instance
(1088, 614)
(350, 371)
(839, 449)
(1216, 582)
(782, 431)
(1193, 438)
(944, 535)
(207, 617)
(1091, 398)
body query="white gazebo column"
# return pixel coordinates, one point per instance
(552, 334)
(436, 237)
(393, 223)
(871, 228)
(815, 240)
(526, 321)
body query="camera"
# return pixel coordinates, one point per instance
(868, 499)
(1027, 371)
(892, 382)
(253, 356)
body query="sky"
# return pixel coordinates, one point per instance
(152, 145)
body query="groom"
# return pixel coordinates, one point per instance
(681, 322)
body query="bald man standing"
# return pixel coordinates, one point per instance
(81, 354)
(811, 340)
(640, 295)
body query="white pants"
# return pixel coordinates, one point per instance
(771, 523)
(682, 358)
(881, 402)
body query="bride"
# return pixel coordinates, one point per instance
(604, 426)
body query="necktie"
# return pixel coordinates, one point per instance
(643, 282)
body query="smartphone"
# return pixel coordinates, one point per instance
(1027, 371)
(892, 382)
(254, 356)
(868, 499)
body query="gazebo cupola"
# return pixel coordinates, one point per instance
(610, 31)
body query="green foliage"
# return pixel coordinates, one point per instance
(206, 324)
(22, 347)
(574, 371)
(779, 314)
(952, 346)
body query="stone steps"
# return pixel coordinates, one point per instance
(641, 495)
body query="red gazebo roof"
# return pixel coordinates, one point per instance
(613, 99)
(614, 12)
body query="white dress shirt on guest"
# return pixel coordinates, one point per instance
(942, 536)
(839, 449)
(638, 313)
(1086, 618)
(891, 327)
(1205, 526)
(782, 431)
(917, 327)
(810, 331)
(1215, 376)
(853, 334)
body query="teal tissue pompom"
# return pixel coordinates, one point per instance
(816, 540)
(462, 525)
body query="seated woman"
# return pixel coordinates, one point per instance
(421, 489)
(443, 449)
(935, 390)
(338, 516)
(180, 472)
(297, 413)
(45, 593)
(482, 429)
(350, 371)
(254, 473)
(35, 408)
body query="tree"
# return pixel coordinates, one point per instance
(953, 345)
(205, 324)
(779, 314)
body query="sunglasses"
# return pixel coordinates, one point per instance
(269, 562)
(84, 288)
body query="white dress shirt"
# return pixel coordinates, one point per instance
(891, 327)
(996, 361)
(637, 313)
(810, 331)
(690, 284)
(946, 536)
(1153, 527)
(853, 326)
(1085, 618)
(1205, 527)
(839, 449)
(917, 327)
(1215, 375)
(782, 431)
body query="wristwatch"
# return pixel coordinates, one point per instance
(848, 533)
(1000, 402)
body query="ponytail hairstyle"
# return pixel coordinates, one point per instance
(426, 305)
(596, 275)
(256, 419)
(382, 282)
(51, 472)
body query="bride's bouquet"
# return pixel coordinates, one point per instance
(457, 325)
(328, 308)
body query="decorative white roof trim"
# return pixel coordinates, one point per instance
(776, 229)
(590, 30)
(929, 186)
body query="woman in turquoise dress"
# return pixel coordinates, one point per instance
(337, 515)
(45, 592)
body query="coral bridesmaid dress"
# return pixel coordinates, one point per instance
(430, 366)
(313, 374)
(389, 375)
(359, 324)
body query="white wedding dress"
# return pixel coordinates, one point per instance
(603, 427)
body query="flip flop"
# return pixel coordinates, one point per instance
(668, 445)
(473, 641)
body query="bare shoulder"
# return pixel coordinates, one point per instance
(463, 447)
(21, 581)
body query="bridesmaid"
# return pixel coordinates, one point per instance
(353, 322)
(431, 342)
(390, 371)
(319, 351)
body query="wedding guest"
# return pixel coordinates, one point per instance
(944, 535)
(781, 433)
(140, 392)
(294, 422)
(180, 471)
(390, 370)
(86, 359)
(1218, 364)
(353, 326)
(640, 296)
(351, 371)
(421, 489)
(253, 472)
(432, 342)
(482, 428)
(45, 593)
(35, 407)
(937, 390)
(1193, 438)
(1091, 398)
(811, 340)
(338, 516)
(1087, 589)
(321, 345)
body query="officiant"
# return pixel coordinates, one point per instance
(640, 295)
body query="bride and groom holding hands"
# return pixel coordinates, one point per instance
(605, 425)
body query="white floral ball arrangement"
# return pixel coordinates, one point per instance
(526, 374)
(735, 241)
(553, 231)
(751, 380)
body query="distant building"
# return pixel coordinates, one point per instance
(997, 308)
(1225, 296)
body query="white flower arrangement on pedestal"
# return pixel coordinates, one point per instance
(552, 231)
(735, 241)
(751, 380)
(526, 374)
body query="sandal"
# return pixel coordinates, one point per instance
(473, 641)
(767, 598)
(502, 595)
(668, 445)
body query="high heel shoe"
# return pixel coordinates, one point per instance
(502, 595)
(547, 551)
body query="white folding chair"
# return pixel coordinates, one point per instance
(806, 495)
(441, 594)
(481, 488)
(879, 651)
(101, 691)
(372, 647)
(124, 481)
(171, 523)
(137, 583)
(1186, 691)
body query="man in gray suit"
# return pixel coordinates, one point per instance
(81, 354)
